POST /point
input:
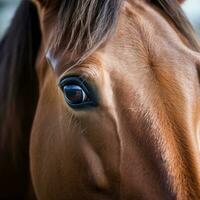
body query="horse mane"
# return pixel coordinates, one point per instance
(83, 25)
(19, 93)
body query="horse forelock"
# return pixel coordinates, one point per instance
(82, 26)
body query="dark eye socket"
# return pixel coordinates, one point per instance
(78, 93)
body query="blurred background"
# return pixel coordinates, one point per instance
(192, 10)
(7, 9)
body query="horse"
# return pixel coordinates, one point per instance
(99, 101)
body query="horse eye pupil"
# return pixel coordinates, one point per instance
(74, 94)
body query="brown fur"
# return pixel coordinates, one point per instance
(141, 141)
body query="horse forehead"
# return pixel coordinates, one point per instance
(145, 40)
(146, 46)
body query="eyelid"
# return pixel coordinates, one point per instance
(85, 72)
(83, 83)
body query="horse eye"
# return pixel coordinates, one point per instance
(74, 94)
(78, 93)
